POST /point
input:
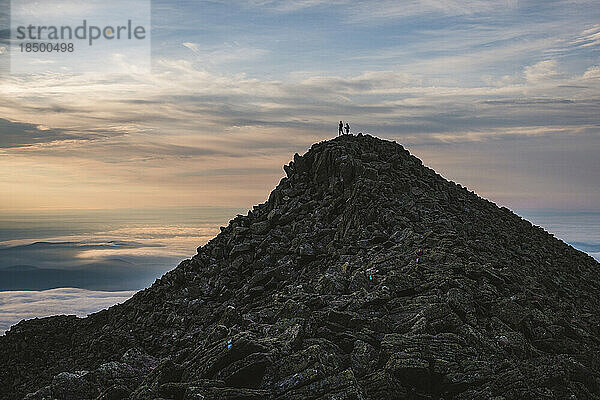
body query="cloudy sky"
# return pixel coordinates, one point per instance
(502, 96)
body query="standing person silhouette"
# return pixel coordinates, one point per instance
(341, 128)
(347, 128)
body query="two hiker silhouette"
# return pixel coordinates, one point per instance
(341, 128)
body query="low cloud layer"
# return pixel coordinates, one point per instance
(105, 251)
(579, 229)
(16, 306)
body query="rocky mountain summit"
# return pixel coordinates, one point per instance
(365, 275)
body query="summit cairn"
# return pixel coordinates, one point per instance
(365, 275)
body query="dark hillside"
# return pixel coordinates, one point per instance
(364, 276)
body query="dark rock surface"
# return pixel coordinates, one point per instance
(364, 276)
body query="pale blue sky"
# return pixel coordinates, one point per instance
(271, 39)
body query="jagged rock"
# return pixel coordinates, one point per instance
(364, 276)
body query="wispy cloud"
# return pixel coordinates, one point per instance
(224, 53)
(369, 9)
(588, 38)
(19, 134)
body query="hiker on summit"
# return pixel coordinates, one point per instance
(341, 128)
(347, 128)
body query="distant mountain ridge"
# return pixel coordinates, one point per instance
(365, 275)
(19, 268)
(46, 265)
(109, 274)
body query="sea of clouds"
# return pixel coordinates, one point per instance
(18, 305)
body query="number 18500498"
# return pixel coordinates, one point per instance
(35, 47)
